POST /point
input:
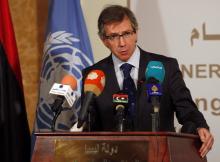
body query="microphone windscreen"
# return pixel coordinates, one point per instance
(69, 80)
(95, 82)
(155, 69)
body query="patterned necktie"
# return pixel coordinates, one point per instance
(129, 88)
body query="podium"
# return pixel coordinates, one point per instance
(117, 147)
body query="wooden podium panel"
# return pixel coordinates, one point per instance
(116, 146)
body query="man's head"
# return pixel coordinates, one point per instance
(117, 29)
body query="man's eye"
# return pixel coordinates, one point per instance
(126, 34)
(113, 36)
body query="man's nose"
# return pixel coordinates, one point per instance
(122, 41)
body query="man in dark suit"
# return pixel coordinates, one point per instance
(118, 31)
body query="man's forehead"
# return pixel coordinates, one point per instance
(118, 27)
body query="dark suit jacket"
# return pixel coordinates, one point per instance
(176, 97)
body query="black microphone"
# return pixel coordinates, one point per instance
(120, 101)
(93, 87)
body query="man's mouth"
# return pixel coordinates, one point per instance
(123, 52)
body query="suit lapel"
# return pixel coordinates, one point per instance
(144, 59)
(111, 79)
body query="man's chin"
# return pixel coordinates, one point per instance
(124, 58)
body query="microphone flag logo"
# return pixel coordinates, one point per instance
(154, 90)
(120, 98)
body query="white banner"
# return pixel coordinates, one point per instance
(190, 32)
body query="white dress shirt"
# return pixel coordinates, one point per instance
(133, 60)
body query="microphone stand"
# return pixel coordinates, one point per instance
(89, 119)
(83, 115)
(155, 114)
(56, 108)
(155, 121)
(55, 119)
(120, 118)
(121, 125)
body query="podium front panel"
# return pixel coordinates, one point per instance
(112, 147)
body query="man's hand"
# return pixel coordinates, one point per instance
(207, 141)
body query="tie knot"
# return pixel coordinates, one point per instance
(126, 68)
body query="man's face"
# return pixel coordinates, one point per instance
(120, 38)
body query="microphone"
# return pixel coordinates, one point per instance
(93, 87)
(154, 92)
(120, 101)
(155, 69)
(155, 74)
(65, 96)
(64, 92)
